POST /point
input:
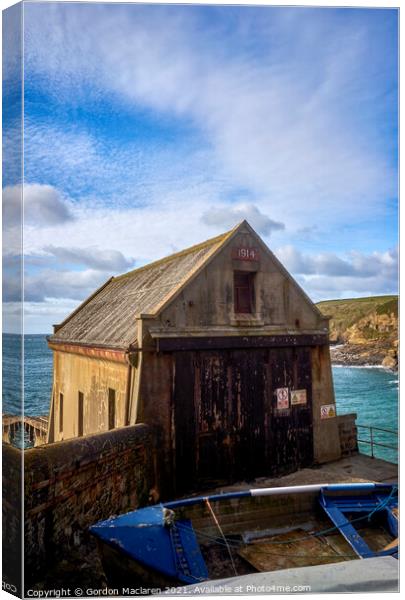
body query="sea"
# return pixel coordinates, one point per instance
(371, 392)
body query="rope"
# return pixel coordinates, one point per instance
(222, 534)
(384, 503)
(237, 545)
(229, 543)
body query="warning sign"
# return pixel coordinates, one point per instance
(298, 397)
(282, 398)
(328, 411)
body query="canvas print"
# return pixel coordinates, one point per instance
(200, 299)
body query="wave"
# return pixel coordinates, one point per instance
(339, 366)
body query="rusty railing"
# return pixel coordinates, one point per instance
(373, 442)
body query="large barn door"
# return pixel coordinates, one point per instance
(228, 425)
(290, 444)
(250, 412)
(229, 394)
(184, 422)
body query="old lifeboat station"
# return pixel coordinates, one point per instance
(218, 348)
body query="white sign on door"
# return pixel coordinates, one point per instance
(282, 398)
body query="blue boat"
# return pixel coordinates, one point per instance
(259, 530)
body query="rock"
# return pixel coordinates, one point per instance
(363, 331)
(390, 362)
(364, 354)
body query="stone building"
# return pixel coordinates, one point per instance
(218, 348)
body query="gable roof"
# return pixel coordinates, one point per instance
(107, 317)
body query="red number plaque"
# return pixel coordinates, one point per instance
(245, 253)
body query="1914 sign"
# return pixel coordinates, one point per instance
(245, 253)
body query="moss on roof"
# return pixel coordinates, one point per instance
(108, 316)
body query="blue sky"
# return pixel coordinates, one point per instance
(150, 128)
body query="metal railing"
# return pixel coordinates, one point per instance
(372, 440)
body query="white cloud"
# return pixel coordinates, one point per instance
(282, 124)
(324, 263)
(327, 263)
(75, 285)
(145, 232)
(229, 216)
(326, 275)
(112, 173)
(46, 276)
(38, 316)
(12, 288)
(93, 257)
(285, 121)
(43, 205)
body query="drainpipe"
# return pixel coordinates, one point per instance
(132, 359)
(128, 394)
(50, 436)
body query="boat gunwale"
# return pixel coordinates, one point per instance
(275, 491)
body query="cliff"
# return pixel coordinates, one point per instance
(363, 331)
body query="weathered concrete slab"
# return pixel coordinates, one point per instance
(358, 467)
(375, 575)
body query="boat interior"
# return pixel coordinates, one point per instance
(268, 533)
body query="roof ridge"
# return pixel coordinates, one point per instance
(185, 251)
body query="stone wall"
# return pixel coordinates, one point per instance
(348, 433)
(70, 485)
(12, 527)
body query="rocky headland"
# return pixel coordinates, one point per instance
(363, 331)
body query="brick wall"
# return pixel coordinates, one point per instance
(348, 433)
(70, 485)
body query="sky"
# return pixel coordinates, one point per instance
(149, 128)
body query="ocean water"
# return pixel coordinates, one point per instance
(37, 374)
(370, 392)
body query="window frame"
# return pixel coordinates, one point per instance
(80, 414)
(112, 409)
(60, 412)
(240, 305)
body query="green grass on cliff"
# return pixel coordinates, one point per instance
(345, 313)
(351, 310)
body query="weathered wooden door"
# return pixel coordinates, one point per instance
(227, 423)
(290, 444)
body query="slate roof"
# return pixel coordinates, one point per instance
(107, 318)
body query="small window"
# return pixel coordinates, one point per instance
(111, 408)
(60, 413)
(243, 292)
(80, 415)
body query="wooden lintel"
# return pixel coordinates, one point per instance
(91, 352)
(256, 341)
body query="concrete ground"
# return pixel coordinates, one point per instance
(378, 574)
(355, 468)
